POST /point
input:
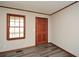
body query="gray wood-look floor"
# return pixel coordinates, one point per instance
(44, 50)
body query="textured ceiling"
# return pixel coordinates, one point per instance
(47, 7)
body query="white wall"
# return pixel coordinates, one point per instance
(6, 45)
(65, 29)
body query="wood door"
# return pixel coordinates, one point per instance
(41, 30)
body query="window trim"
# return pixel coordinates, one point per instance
(8, 24)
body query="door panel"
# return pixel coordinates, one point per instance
(41, 30)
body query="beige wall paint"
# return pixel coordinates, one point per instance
(6, 45)
(65, 29)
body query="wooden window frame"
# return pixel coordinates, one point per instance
(8, 24)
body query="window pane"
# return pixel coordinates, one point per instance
(16, 19)
(21, 20)
(21, 24)
(12, 24)
(21, 35)
(12, 19)
(16, 30)
(11, 30)
(16, 23)
(16, 35)
(21, 29)
(11, 36)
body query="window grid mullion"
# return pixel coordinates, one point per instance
(17, 26)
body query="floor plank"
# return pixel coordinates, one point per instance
(44, 50)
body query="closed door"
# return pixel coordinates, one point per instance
(41, 30)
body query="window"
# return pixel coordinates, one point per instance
(15, 26)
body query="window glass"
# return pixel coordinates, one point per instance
(16, 26)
